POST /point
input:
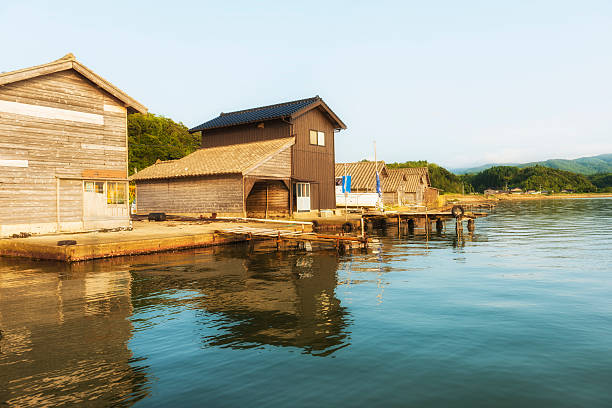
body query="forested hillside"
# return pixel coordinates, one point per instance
(530, 178)
(583, 165)
(152, 137)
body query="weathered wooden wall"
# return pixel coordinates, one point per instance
(251, 132)
(195, 195)
(56, 125)
(430, 197)
(277, 166)
(274, 193)
(315, 163)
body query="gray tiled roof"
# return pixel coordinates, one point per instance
(256, 114)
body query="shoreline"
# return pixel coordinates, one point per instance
(520, 197)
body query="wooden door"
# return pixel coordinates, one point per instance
(94, 200)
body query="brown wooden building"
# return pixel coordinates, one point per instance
(251, 179)
(313, 126)
(63, 150)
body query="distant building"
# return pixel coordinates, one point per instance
(64, 155)
(491, 191)
(404, 186)
(516, 190)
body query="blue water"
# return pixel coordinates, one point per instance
(519, 313)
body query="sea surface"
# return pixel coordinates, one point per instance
(517, 314)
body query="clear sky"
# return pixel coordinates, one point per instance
(458, 83)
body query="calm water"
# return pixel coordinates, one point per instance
(517, 314)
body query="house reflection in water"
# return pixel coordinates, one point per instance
(69, 332)
(64, 338)
(278, 298)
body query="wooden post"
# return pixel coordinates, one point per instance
(57, 202)
(439, 225)
(244, 212)
(362, 228)
(266, 217)
(399, 226)
(470, 225)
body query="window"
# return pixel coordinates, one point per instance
(89, 186)
(115, 193)
(99, 187)
(317, 138)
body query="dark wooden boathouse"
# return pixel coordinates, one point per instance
(312, 125)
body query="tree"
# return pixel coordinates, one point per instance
(152, 137)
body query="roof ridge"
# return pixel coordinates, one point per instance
(316, 97)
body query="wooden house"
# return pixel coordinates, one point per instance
(292, 163)
(405, 186)
(409, 186)
(251, 179)
(63, 155)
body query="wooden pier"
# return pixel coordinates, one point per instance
(284, 237)
(429, 218)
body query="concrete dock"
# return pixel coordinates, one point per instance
(145, 237)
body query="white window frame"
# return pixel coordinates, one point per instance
(318, 135)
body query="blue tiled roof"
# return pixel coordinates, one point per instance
(256, 114)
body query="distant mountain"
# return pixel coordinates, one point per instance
(583, 165)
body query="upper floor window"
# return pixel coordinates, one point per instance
(317, 138)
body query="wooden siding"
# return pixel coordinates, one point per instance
(315, 163)
(273, 129)
(277, 166)
(220, 194)
(309, 163)
(55, 146)
(267, 198)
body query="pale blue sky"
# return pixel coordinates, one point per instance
(454, 82)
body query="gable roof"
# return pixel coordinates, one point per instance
(290, 110)
(65, 63)
(232, 159)
(395, 181)
(418, 170)
(406, 179)
(363, 174)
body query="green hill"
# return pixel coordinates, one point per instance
(583, 165)
(530, 178)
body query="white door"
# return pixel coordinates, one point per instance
(303, 196)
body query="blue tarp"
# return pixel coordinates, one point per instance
(346, 184)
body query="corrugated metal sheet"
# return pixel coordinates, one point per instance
(216, 160)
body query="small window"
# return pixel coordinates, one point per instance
(100, 187)
(313, 137)
(89, 186)
(115, 193)
(321, 141)
(317, 138)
